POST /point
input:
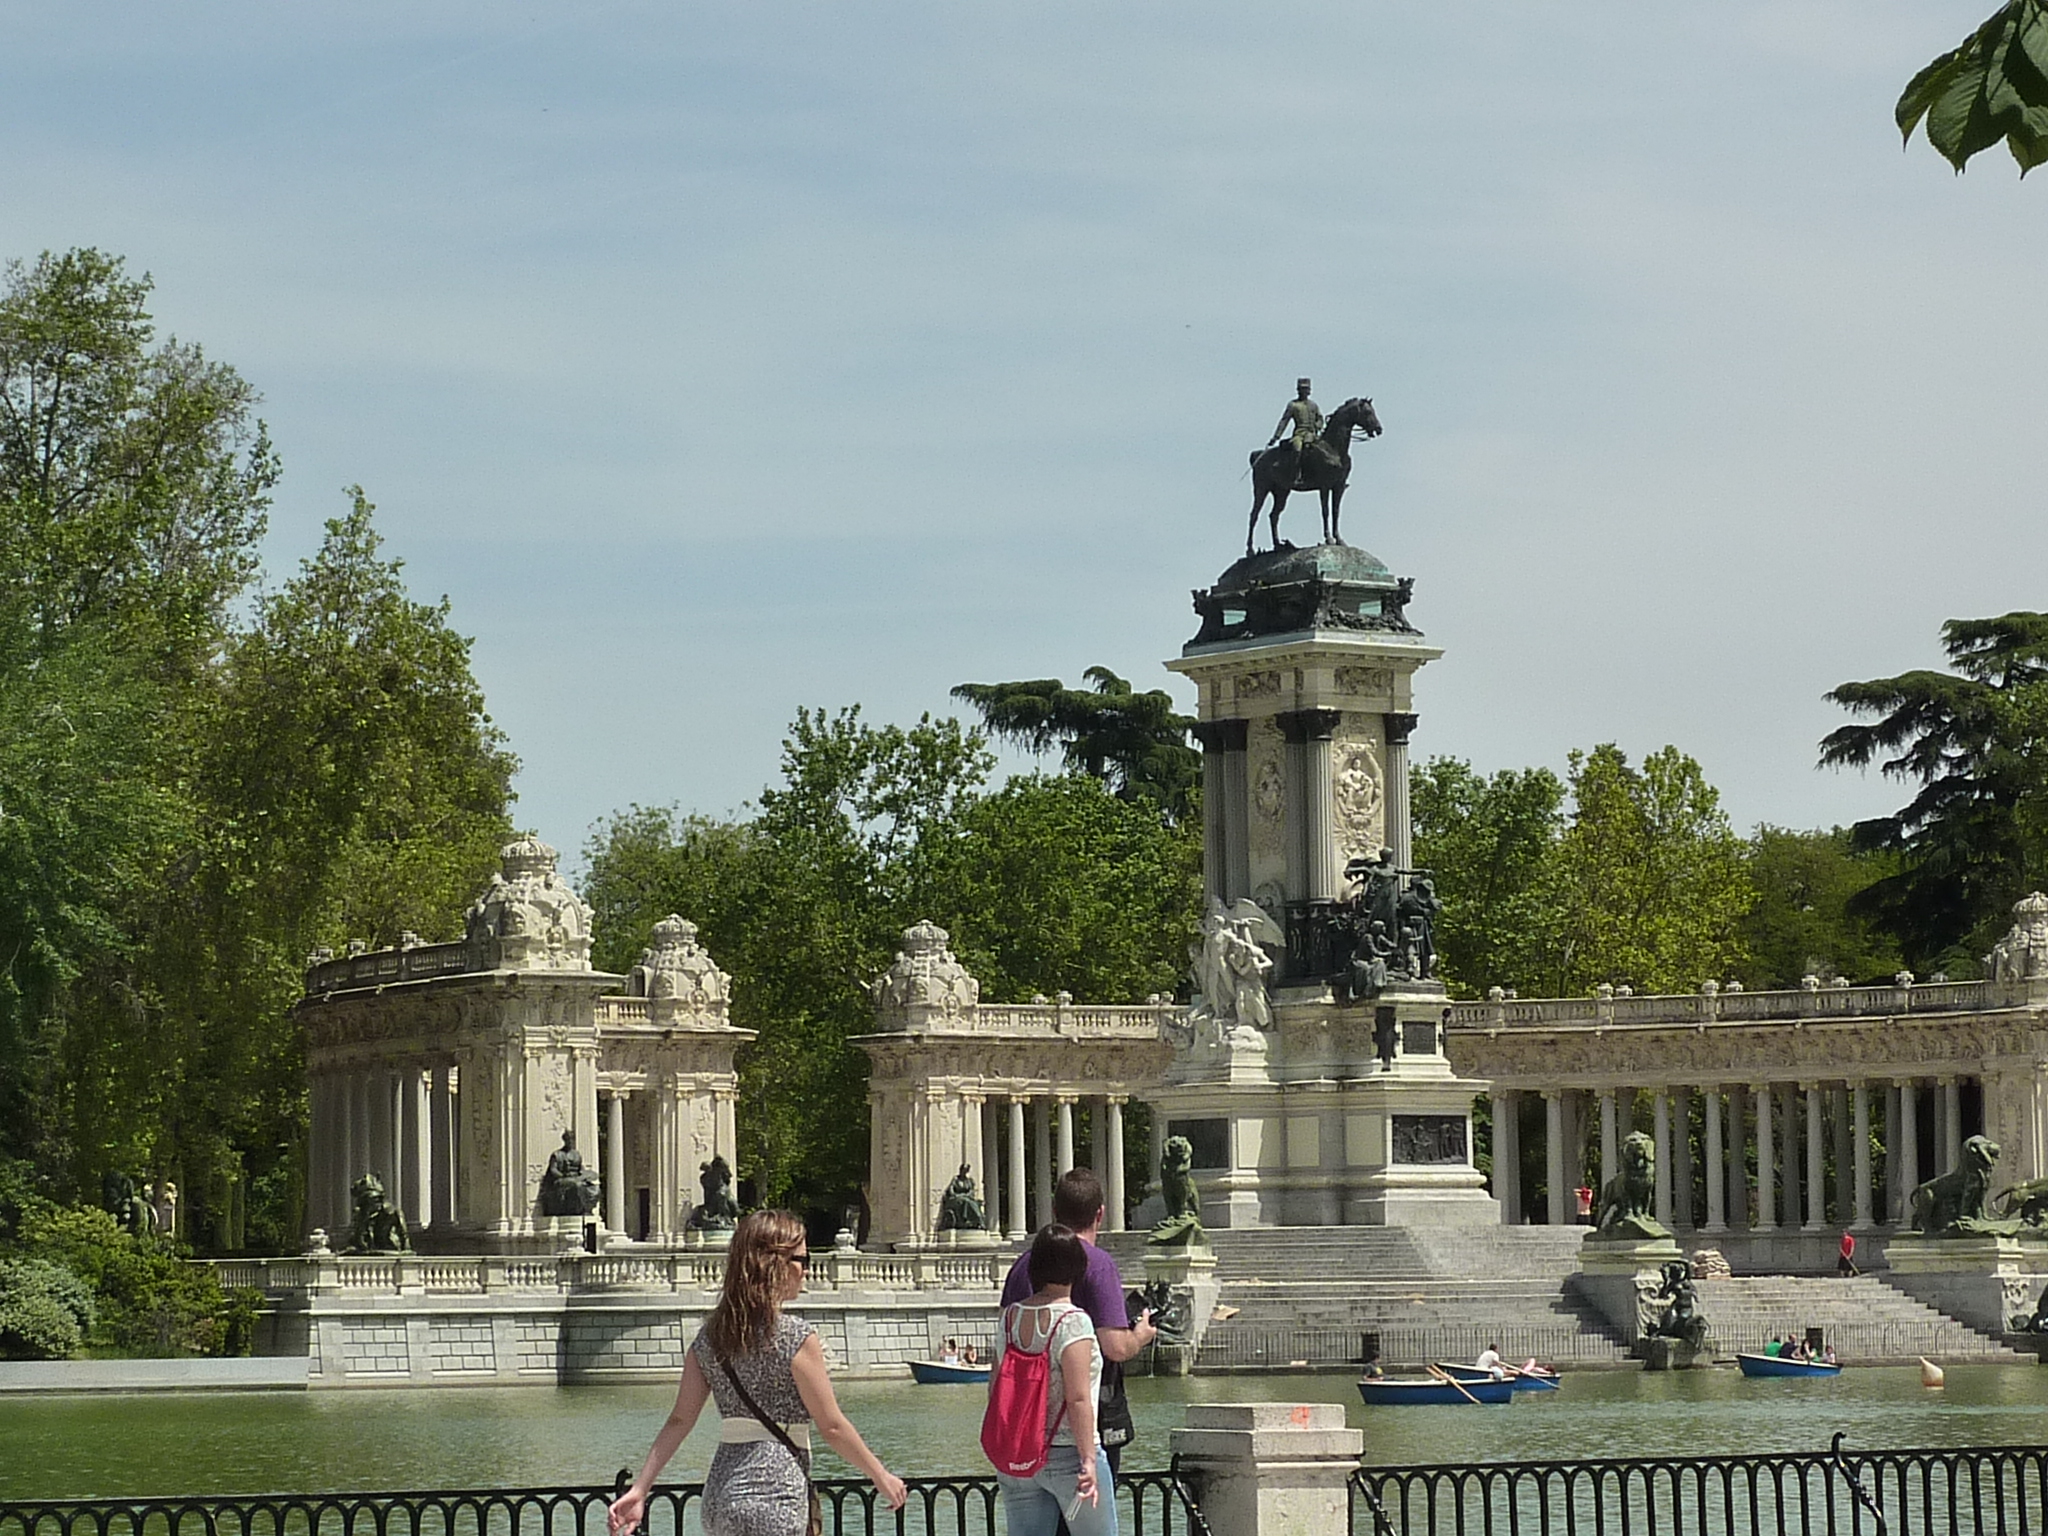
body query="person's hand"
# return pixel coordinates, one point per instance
(626, 1512)
(891, 1488)
(1144, 1330)
(1084, 1484)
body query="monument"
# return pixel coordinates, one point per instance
(1309, 1078)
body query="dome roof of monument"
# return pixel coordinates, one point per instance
(1337, 563)
(1291, 591)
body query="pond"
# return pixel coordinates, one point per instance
(474, 1437)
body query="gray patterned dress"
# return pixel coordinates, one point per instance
(756, 1488)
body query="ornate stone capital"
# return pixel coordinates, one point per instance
(1221, 735)
(1300, 725)
(1399, 728)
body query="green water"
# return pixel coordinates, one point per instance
(472, 1437)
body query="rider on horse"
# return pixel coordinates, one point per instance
(1303, 419)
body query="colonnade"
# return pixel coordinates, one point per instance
(400, 1123)
(996, 1151)
(1759, 1158)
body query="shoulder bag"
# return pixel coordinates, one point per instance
(803, 1457)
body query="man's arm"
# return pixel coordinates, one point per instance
(1124, 1343)
(1286, 426)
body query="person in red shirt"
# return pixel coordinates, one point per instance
(1845, 1266)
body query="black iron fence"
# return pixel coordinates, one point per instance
(1149, 1503)
(1974, 1492)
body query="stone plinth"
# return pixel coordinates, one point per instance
(1270, 1469)
(1191, 1272)
(1981, 1281)
(1618, 1275)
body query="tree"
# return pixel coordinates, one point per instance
(1489, 841)
(1648, 884)
(1802, 924)
(1134, 742)
(1993, 86)
(1974, 839)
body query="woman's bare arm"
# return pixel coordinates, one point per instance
(814, 1386)
(691, 1394)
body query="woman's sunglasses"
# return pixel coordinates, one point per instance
(800, 1260)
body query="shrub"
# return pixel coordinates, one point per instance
(46, 1311)
(151, 1301)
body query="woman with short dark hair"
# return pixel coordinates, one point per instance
(752, 1355)
(1075, 1480)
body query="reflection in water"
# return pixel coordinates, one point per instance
(474, 1437)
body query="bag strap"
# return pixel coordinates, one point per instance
(803, 1458)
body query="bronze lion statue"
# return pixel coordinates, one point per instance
(1949, 1203)
(1626, 1200)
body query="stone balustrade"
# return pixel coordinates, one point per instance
(384, 967)
(1717, 1006)
(675, 1270)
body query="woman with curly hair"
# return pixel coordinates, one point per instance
(749, 1348)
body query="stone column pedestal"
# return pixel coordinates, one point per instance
(1191, 1275)
(1617, 1274)
(1270, 1469)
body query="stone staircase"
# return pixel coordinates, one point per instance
(1864, 1319)
(1307, 1295)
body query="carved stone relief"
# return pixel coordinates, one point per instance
(1266, 829)
(1357, 790)
(1256, 685)
(1372, 682)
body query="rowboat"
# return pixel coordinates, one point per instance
(1777, 1365)
(1385, 1391)
(1521, 1381)
(934, 1372)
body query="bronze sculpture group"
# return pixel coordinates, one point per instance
(377, 1225)
(567, 1188)
(1181, 1226)
(717, 1211)
(1308, 452)
(960, 1207)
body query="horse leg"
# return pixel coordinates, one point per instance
(1258, 504)
(1279, 505)
(1335, 497)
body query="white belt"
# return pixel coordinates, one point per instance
(738, 1431)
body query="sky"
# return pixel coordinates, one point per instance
(717, 361)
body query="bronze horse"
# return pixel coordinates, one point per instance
(1325, 467)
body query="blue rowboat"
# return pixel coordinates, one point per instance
(1521, 1381)
(1389, 1390)
(933, 1372)
(1773, 1365)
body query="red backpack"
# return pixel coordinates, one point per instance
(1014, 1435)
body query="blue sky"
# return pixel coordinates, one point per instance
(718, 360)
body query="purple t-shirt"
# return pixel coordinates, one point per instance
(1100, 1292)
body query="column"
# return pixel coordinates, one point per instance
(1066, 1134)
(1013, 1202)
(1098, 1121)
(1788, 1158)
(1738, 1175)
(1041, 1160)
(726, 1129)
(441, 1113)
(615, 1161)
(972, 1155)
(414, 1159)
(1661, 1135)
(1859, 1100)
(1892, 1172)
(1717, 1164)
(1907, 1153)
(1560, 1194)
(1226, 846)
(992, 1173)
(1399, 728)
(1845, 1184)
(319, 1122)
(1816, 1179)
(1507, 1156)
(1312, 847)
(378, 1138)
(1766, 1191)
(1682, 1211)
(1951, 1124)
(1610, 1141)
(1112, 1170)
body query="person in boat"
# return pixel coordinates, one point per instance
(968, 1355)
(1827, 1356)
(1776, 1347)
(950, 1355)
(1490, 1362)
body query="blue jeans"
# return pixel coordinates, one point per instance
(1032, 1505)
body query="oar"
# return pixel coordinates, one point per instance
(1443, 1375)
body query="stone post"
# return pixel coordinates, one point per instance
(1951, 1124)
(1013, 1203)
(1816, 1180)
(1269, 1469)
(1859, 1101)
(415, 1156)
(1113, 1164)
(1766, 1184)
(1717, 1163)
(972, 1155)
(1066, 1132)
(1399, 728)
(615, 1162)
(1907, 1153)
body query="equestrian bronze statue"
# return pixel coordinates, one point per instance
(1308, 453)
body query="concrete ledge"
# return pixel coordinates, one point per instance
(200, 1375)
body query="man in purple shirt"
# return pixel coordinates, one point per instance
(1077, 1203)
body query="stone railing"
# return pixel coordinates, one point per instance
(1061, 1017)
(1715, 1006)
(623, 1011)
(382, 967)
(700, 1269)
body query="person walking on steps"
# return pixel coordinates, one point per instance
(1845, 1264)
(766, 1371)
